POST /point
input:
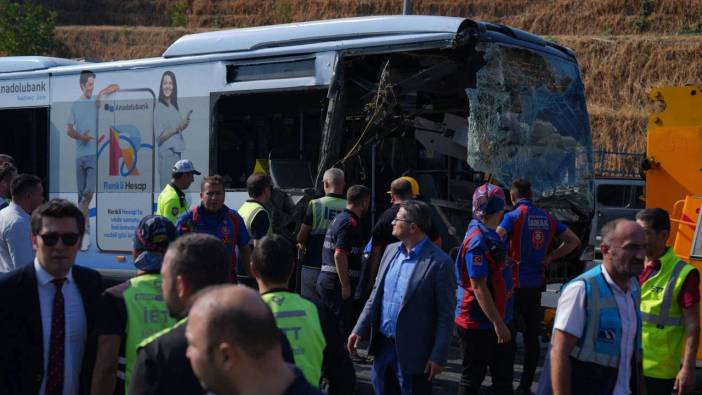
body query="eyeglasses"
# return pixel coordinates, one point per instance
(400, 220)
(68, 239)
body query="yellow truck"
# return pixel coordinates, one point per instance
(673, 167)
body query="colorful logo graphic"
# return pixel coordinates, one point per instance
(123, 143)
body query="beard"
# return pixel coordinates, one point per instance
(173, 304)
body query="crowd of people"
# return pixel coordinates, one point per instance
(214, 306)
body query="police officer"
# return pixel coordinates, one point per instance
(213, 217)
(254, 212)
(311, 329)
(484, 310)
(530, 231)
(670, 302)
(310, 239)
(171, 201)
(133, 310)
(341, 258)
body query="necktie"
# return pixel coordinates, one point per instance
(54, 380)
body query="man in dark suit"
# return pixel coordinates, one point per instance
(48, 310)
(409, 315)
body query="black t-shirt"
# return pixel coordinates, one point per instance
(300, 386)
(163, 368)
(260, 224)
(111, 319)
(382, 230)
(344, 234)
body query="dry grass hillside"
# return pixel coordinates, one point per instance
(625, 47)
(539, 16)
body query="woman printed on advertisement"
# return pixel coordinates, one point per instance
(169, 126)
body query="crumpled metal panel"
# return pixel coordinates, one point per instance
(528, 119)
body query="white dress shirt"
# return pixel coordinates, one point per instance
(76, 327)
(15, 238)
(570, 318)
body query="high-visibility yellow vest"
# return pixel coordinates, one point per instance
(248, 212)
(299, 319)
(146, 315)
(323, 212)
(663, 330)
(170, 205)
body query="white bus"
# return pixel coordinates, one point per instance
(446, 100)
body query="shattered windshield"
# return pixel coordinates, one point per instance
(528, 119)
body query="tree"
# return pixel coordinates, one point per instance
(26, 29)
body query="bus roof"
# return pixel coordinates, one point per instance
(295, 34)
(11, 64)
(292, 39)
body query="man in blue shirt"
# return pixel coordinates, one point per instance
(82, 127)
(530, 231)
(213, 217)
(409, 313)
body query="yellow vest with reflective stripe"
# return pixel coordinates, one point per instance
(248, 212)
(299, 319)
(663, 330)
(169, 204)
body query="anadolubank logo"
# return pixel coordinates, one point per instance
(123, 144)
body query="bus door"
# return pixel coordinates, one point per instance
(25, 138)
(270, 109)
(125, 166)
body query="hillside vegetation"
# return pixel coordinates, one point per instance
(625, 47)
(539, 16)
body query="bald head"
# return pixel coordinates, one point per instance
(235, 314)
(401, 189)
(623, 250)
(614, 232)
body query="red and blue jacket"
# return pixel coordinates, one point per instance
(530, 232)
(226, 225)
(483, 255)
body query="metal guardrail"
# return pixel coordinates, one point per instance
(618, 163)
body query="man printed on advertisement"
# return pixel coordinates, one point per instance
(82, 127)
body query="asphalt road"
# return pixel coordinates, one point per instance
(447, 382)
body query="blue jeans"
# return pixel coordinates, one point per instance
(308, 283)
(388, 378)
(86, 177)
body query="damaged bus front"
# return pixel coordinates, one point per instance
(494, 104)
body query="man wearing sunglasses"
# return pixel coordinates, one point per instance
(48, 310)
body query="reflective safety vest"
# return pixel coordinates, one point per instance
(248, 212)
(323, 210)
(170, 205)
(156, 335)
(597, 352)
(146, 315)
(299, 319)
(663, 330)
